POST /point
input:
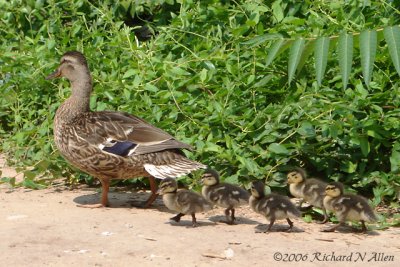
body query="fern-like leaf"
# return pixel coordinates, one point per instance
(368, 40)
(345, 56)
(275, 49)
(308, 49)
(392, 36)
(294, 57)
(321, 51)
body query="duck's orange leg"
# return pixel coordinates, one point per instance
(105, 187)
(153, 188)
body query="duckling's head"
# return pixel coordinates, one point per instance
(334, 189)
(168, 185)
(297, 176)
(257, 189)
(210, 177)
(73, 66)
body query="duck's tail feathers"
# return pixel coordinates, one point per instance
(370, 216)
(175, 169)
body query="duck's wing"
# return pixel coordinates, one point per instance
(123, 134)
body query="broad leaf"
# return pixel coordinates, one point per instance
(296, 51)
(348, 166)
(277, 11)
(321, 50)
(306, 129)
(395, 161)
(129, 73)
(364, 145)
(368, 41)
(392, 36)
(345, 56)
(278, 149)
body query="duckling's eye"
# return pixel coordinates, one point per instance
(65, 61)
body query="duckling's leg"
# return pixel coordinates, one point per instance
(153, 196)
(271, 222)
(230, 216)
(177, 218)
(105, 187)
(363, 227)
(233, 216)
(290, 225)
(194, 222)
(270, 225)
(326, 217)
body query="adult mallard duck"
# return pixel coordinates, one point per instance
(109, 144)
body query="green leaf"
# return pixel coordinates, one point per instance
(348, 166)
(211, 147)
(179, 71)
(395, 161)
(321, 50)
(151, 88)
(203, 75)
(392, 36)
(31, 184)
(368, 40)
(345, 56)
(306, 129)
(278, 149)
(364, 144)
(308, 49)
(275, 49)
(277, 10)
(233, 179)
(262, 39)
(8, 180)
(307, 218)
(129, 73)
(295, 53)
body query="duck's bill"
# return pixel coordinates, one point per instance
(53, 75)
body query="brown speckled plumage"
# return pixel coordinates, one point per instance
(347, 207)
(112, 145)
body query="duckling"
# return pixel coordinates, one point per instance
(225, 195)
(272, 206)
(310, 190)
(347, 207)
(182, 201)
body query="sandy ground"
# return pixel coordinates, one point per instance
(46, 228)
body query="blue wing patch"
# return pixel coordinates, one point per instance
(120, 148)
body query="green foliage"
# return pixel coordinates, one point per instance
(345, 51)
(209, 73)
(321, 57)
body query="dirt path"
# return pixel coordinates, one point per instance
(45, 228)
